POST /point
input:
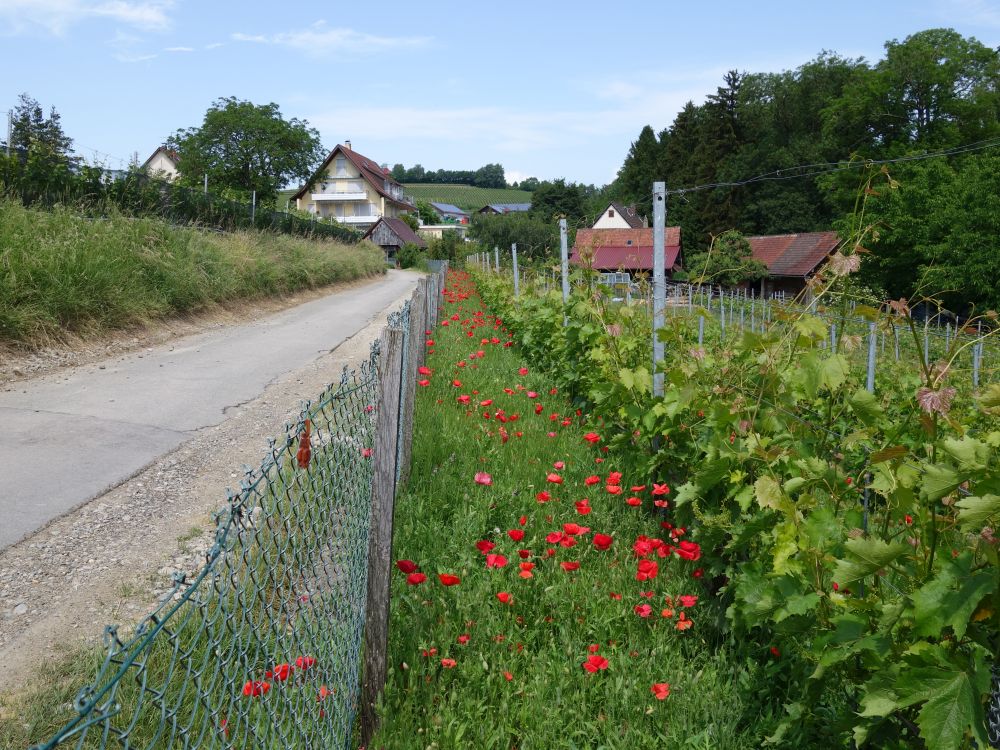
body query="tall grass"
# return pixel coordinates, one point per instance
(62, 273)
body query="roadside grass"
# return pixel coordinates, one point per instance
(61, 272)
(519, 679)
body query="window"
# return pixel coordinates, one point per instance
(628, 242)
(611, 213)
(341, 166)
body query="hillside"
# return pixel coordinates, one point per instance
(465, 196)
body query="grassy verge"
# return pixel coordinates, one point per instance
(61, 272)
(468, 669)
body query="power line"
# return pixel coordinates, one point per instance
(829, 167)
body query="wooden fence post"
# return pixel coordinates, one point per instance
(380, 530)
(414, 344)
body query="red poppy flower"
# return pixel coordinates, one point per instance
(463, 399)
(407, 566)
(908, 519)
(637, 488)
(698, 573)
(524, 554)
(463, 639)
(515, 534)
(595, 663)
(448, 579)
(484, 545)
(554, 537)
(505, 598)
(592, 480)
(661, 690)
(592, 437)
(660, 489)
(559, 465)
(554, 479)
(688, 550)
(543, 496)
(495, 561)
(255, 688)
(281, 672)
(668, 613)
(775, 652)
(424, 382)
(602, 541)
(643, 610)
(508, 676)
(594, 648)
(583, 507)
(539, 408)
(522, 520)
(422, 370)
(687, 600)
(648, 570)
(661, 503)
(415, 578)
(448, 663)
(570, 566)
(483, 478)
(617, 597)
(486, 402)
(647, 594)
(366, 452)
(613, 489)
(615, 477)
(523, 371)
(532, 394)
(305, 662)
(574, 529)
(457, 383)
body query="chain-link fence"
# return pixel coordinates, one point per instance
(262, 648)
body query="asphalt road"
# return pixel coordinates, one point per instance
(68, 437)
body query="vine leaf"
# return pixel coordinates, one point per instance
(865, 557)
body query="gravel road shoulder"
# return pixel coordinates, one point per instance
(109, 561)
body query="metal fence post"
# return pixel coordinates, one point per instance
(659, 278)
(870, 385)
(380, 533)
(564, 256)
(517, 280)
(701, 329)
(496, 259)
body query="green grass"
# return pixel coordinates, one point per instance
(723, 695)
(465, 197)
(60, 272)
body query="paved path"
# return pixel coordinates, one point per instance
(67, 437)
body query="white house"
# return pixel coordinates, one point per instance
(162, 164)
(617, 216)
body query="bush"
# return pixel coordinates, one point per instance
(409, 255)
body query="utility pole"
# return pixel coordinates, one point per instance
(659, 278)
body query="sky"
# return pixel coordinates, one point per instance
(547, 89)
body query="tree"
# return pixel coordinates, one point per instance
(398, 172)
(535, 237)
(411, 221)
(247, 147)
(449, 247)
(641, 167)
(728, 262)
(529, 183)
(490, 176)
(557, 199)
(427, 213)
(33, 133)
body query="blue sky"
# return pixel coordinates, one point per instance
(549, 89)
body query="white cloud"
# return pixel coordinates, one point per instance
(179, 49)
(319, 40)
(214, 45)
(57, 16)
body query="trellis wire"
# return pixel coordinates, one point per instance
(262, 647)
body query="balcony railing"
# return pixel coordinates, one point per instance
(358, 195)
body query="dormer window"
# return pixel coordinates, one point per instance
(611, 213)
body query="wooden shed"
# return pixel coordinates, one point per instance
(391, 235)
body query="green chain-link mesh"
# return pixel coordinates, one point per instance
(262, 648)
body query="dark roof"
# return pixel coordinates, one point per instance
(631, 216)
(505, 208)
(375, 175)
(399, 228)
(793, 254)
(168, 152)
(448, 208)
(612, 250)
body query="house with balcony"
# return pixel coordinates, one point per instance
(354, 190)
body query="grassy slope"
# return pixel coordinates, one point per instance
(542, 639)
(61, 272)
(465, 196)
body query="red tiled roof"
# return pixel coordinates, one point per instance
(612, 250)
(369, 169)
(793, 254)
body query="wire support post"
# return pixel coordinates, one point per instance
(659, 280)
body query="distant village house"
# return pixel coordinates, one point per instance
(505, 208)
(625, 250)
(791, 259)
(450, 213)
(162, 164)
(391, 234)
(617, 216)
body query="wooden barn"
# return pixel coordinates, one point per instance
(391, 234)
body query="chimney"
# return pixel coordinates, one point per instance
(347, 145)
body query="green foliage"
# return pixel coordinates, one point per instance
(488, 176)
(410, 255)
(557, 200)
(449, 247)
(37, 136)
(427, 213)
(411, 221)
(247, 147)
(535, 237)
(65, 273)
(854, 530)
(727, 262)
